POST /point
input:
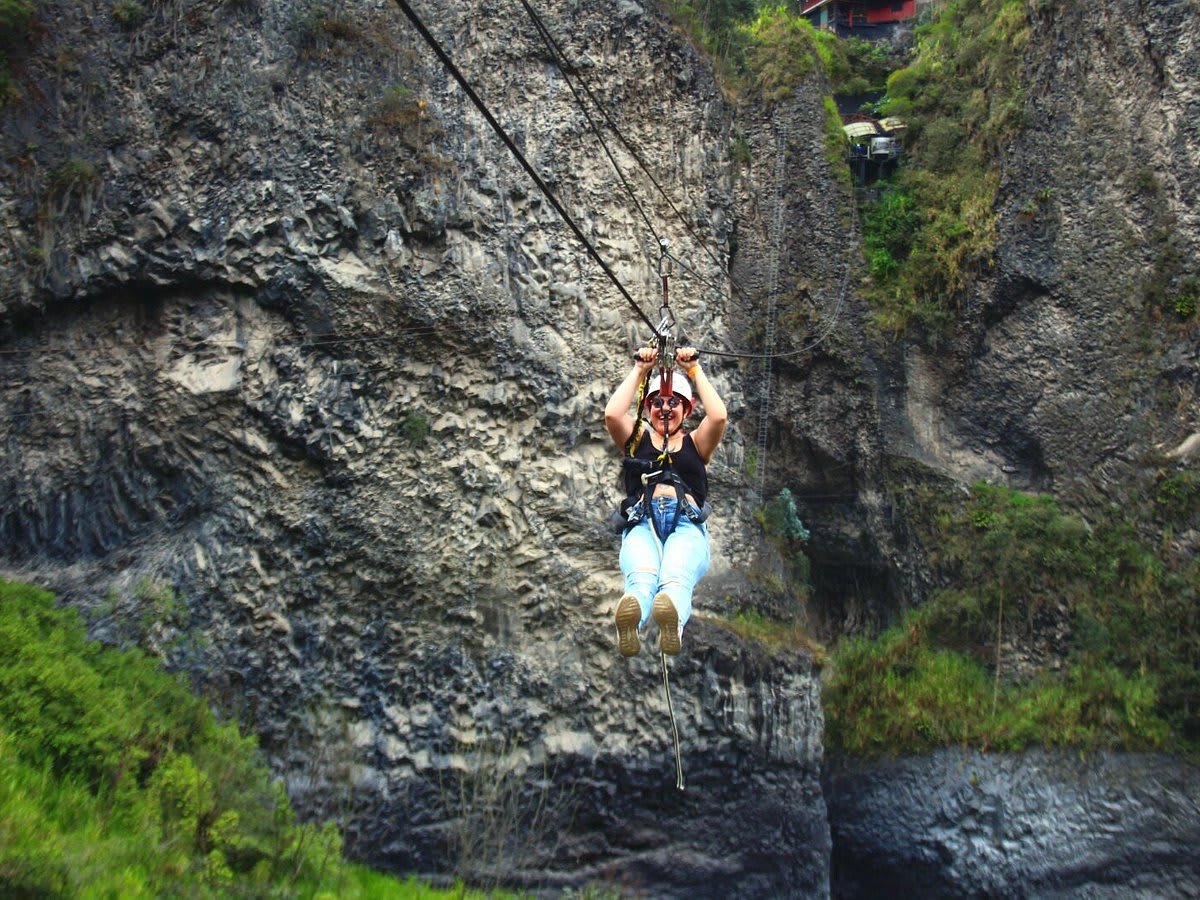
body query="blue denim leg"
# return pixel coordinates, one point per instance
(685, 560)
(641, 555)
(675, 566)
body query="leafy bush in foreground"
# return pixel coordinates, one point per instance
(115, 780)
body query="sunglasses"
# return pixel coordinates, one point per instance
(668, 402)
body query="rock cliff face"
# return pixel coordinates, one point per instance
(303, 388)
(1028, 825)
(302, 382)
(1072, 374)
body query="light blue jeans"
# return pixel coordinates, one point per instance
(675, 565)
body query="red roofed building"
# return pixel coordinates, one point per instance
(863, 18)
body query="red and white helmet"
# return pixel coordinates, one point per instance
(680, 387)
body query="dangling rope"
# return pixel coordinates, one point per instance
(674, 727)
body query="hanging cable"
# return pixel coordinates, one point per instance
(560, 62)
(674, 727)
(560, 59)
(508, 142)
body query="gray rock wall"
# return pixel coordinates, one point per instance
(303, 388)
(1072, 373)
(1069, 374)
(1037, 824)
(302, 382)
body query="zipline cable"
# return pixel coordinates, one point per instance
(342, 338)
(560, 62)
(367, 338)
(559, 58)
(508, 142)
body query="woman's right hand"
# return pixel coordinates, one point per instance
(645, 358)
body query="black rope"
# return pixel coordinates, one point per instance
(560, 62)
(508, 142)
(559, 55)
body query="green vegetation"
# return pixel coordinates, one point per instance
(951, 671)
(739, 153)
(1187, 300)
(322, 28)
(782, 52)
(717, 28)
(75, 175)
(1169, 285)
(15, 16)
(16, 19)
(115, 781)
(767, 46)
(962, 99)
(1178, 494)
(869, 65)
(129, 14)
(774, 634)
(783, 576)
(781, 522)
(415, 427)
(787, 534)
(835, 145)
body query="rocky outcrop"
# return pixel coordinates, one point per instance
(303, 390)
(1071, 374)
(302, 381)
(1073, 370)
(1037, 824)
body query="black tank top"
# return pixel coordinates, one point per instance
(685, 462)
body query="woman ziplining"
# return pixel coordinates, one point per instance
(664, 546)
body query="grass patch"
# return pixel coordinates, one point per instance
(905, 693)
(773, 634)
(782, 52)
(116, 781)
(717, 28)
(769, 47)
(1129, 656)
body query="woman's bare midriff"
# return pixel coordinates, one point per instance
(666, 490)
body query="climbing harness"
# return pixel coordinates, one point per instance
(643, 475)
